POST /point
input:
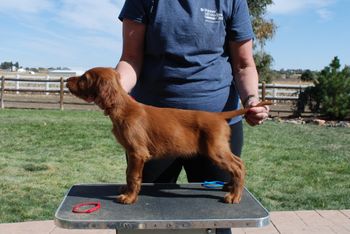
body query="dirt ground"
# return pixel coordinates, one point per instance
(36, 101)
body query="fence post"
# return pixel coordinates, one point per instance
(17, 84)
(2, 105)
(61, 93)
(47, 84)
(263, 91)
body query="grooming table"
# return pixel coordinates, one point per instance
(161, 208)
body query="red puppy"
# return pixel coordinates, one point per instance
(149, 132)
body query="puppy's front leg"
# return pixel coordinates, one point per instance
(133, 180)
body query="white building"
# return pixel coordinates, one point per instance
(65, 73)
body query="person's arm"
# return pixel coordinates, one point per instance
(131, 60)
(247, 79)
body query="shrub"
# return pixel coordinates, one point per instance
(330, 95)
(307, 76)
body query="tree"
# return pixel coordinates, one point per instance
(263, 65)
(8, 65)
(335, 64)
(264, 30)
(330, 95)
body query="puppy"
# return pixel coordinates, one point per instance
(149, 132)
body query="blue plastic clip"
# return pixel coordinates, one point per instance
(213, 184)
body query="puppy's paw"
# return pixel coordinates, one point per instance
(126, 199)
(232, 198)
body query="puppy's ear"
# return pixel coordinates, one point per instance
(108, 92)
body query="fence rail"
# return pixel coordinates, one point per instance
(56, 86)
(29, 86)
(281, 92)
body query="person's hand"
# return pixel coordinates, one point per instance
(256, 115)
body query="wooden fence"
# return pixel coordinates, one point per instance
(60, 90)
(279, 93)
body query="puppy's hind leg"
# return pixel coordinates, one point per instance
(234, 165)
(237, 181)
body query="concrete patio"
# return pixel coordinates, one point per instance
(314, 221)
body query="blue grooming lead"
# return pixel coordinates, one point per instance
(213, 184)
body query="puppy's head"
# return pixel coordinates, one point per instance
(99, 85)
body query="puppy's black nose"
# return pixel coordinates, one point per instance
(67, 83)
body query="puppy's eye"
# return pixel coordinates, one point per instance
(83, 79)
(82, 82)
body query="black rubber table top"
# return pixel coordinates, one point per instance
(160, 206)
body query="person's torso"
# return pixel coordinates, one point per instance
(186, 61)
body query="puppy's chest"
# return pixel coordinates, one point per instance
(121, 135)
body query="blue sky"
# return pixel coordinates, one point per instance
(86, 33)
(310, 33)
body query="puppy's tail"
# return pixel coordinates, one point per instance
(231, 114)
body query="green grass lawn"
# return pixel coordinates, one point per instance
(43, 153)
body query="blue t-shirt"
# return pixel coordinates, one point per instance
(186, 58)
